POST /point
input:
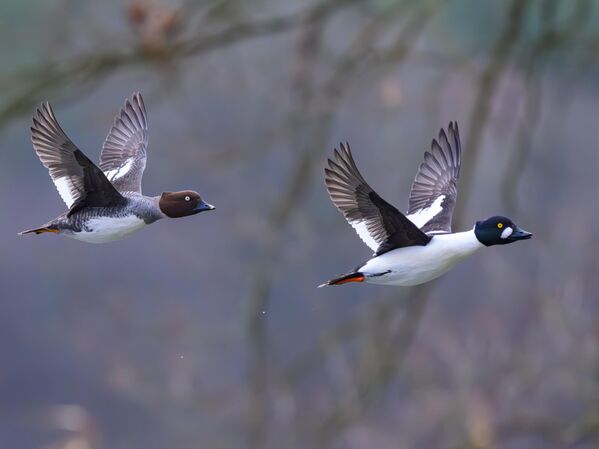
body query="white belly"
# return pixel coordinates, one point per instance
(419, 264)
(108, 229)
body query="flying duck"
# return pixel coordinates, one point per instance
(417, 247)
(105, 203)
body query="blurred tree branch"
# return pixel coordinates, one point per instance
(552, 35)
(42, 80)
(487, 84)
(549, 429)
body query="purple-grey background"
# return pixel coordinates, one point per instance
(208, 332)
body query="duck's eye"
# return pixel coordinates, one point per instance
(187, 198)
(500, 225)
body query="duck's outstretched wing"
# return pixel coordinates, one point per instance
(78, 181)
(435, 187)
(380, 225)
(123, 157)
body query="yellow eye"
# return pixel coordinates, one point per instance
(500, 225)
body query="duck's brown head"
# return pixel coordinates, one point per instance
(182, 204)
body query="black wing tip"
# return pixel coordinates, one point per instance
(452, 127)
(342, 165)
(344, 157)
(44, 121)
(453, 133)
(331, 164)
(138, 100)
(135, 97)
(328, 172)
(451, 138)
(337, 157)
(337, 153)
(134, 108)
(343, 148)
(43, 111)
(36, 125)
(454, 136)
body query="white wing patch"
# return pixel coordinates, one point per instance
(117, 173)
(423, 216)
(64, 189)
(362, 231)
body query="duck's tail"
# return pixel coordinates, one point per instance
(344, 279)
(40, 230)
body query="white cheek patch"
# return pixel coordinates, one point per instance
(506, 233)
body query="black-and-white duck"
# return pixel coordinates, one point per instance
(105, 203)
(415, 248)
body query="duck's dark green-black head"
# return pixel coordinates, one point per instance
(499, 230)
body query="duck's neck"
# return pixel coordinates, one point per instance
(465, 243)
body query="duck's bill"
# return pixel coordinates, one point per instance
(203, 206)
(519, 234)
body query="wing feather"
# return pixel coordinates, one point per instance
(435, 188)
(57, 153)
(78, 181)
(123, 157)
(380, 225)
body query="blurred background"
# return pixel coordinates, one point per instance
(208, 332)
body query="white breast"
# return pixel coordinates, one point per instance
(419, 264)
(108, 229)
